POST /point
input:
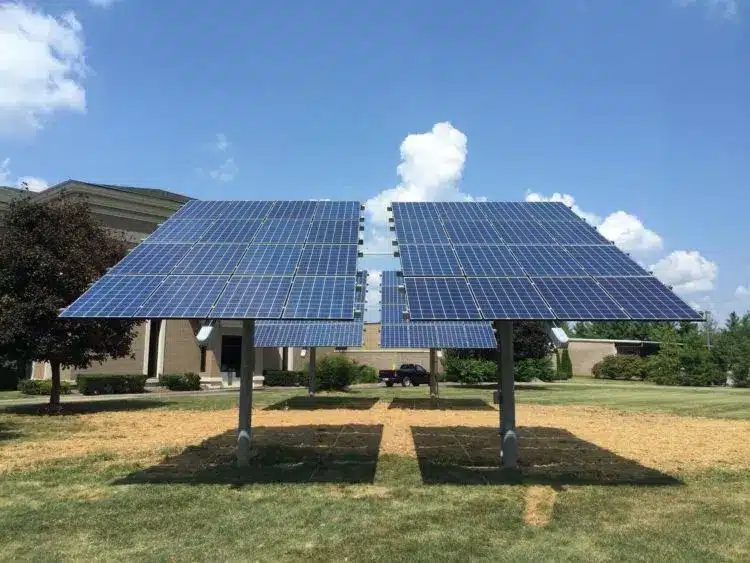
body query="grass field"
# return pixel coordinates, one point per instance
(377, 474)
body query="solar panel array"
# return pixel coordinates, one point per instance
(397, 332)
(238, 260)
(520, 260)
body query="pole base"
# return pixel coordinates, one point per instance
(509, 449)
(243, 448)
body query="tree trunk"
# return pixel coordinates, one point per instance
(54, 395)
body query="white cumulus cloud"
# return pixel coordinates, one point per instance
(570, 201)
(103, 3)
(727, 9)
(629, 233)
(42, 66)
(686, 271)
(372, 301)
(30, 183)
(226, 171)
(742, 291)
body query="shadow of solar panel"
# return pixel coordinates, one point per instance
(507, 211)
(429, 260)
(415, 211)
(151, 259)
(253, 297)
(282, 231)
(338, 210)
(334, 232)
(420, 232)
(648, 299)
(318, 297)
(462, 211)
(183, 297)
(197, 209)
(232, 231)
(180, 231)
(270, 260)
(211, 259)
(472, 232)
(245, 210)
(546, 261)
(551, 211)
(328, 260)
(113, 297)
(509, 298)
(523, 232)
(578, 299)
(574, 232)
(300, 209)
(440, 299)
(603, 260)
(488, 261)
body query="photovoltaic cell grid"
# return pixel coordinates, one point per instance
(315, 297)
(206, 242)
(524, 260)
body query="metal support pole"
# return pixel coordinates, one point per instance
(311, 370)
(506, 387)
(247, 368)
(434, 389)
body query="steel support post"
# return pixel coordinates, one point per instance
(311, 373)
(509, 440)
(434, 388)
(247, 368)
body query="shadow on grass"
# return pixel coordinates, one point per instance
(86, 407)
(425, 403)
(9, 431)
(549, 456)
(324, 403)
(289, 454)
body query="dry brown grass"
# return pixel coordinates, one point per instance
(660, 441)
(540, 502)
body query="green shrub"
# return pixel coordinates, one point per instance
(99, 384)
(690, 364)
(469, 370)
(620, 367)
(534, 368)
(41, 387)
(366, 374)
(335, 372)
(566, 365)
(282, 378)
(181, 381)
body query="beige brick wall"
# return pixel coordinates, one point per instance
(181, 352)
(585, 354)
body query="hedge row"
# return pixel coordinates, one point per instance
(475, 370)
(335, 371)
(42, 387)
(105, 384)
(180, 381)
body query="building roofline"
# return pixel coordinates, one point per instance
(150, 192)
(613, 341)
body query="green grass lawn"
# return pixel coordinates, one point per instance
(10, 395)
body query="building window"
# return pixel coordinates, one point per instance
(203, 359)
(231, 353)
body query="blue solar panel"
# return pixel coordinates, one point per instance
(253, 297)
(245, 210)
(574, 232)
(420, 232)
(509, 298)
(429, 260)
(578, 299)
(328, 260)
(211, 259)
(420, 211)
(392, 313)
(461, 211)
(293, 209)
(390, 278)
(338, 210)
(197, 209)
(648, 299)
(479, 335)
(472, 232)
(423, 335)
(180, 231)
(440, 299)
(270, 334)
(270, 260)
(605, 261)
(113, 297)
(361, 294)
(524, 232)
(488, 261)
(445, 334)
(151, 259)
(507, 211)
(234, 231)
(321, 298)
(334, 232)
(551, 211)
(391, 294)
(183, 297)
(546, 261)
(282, 231)
(394, 336)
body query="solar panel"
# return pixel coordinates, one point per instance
(480, 335)
(196, 209)
(578, 299)
(253, 297)
(391, 294)
(507, 211)
(647, 299)
(546, 261)
(361, 293)
(328, 260)
(605, 261)
(390, 278)
(523, 232)
(419, 211)
(338, 210)
(488, 261)
(574, 232)
(270, 260)
(429, 260)
(472, 232)
(551, 211)
(270, 334)
(293, 209)
(151, 259)
(423, 335)
(509, 298)
(394, 336)
(211, 259)
(282, 231)
(245, 210)
(445, 334)
(316, 297)
(113, 297)
(180, 231)
(334, 232)
(233, 231)
(183, 297)
(461, 211)
(440, 299)
(392, 313)
(420, 232)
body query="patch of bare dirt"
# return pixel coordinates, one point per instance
(540, 502)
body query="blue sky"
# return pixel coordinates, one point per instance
(635, 110)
